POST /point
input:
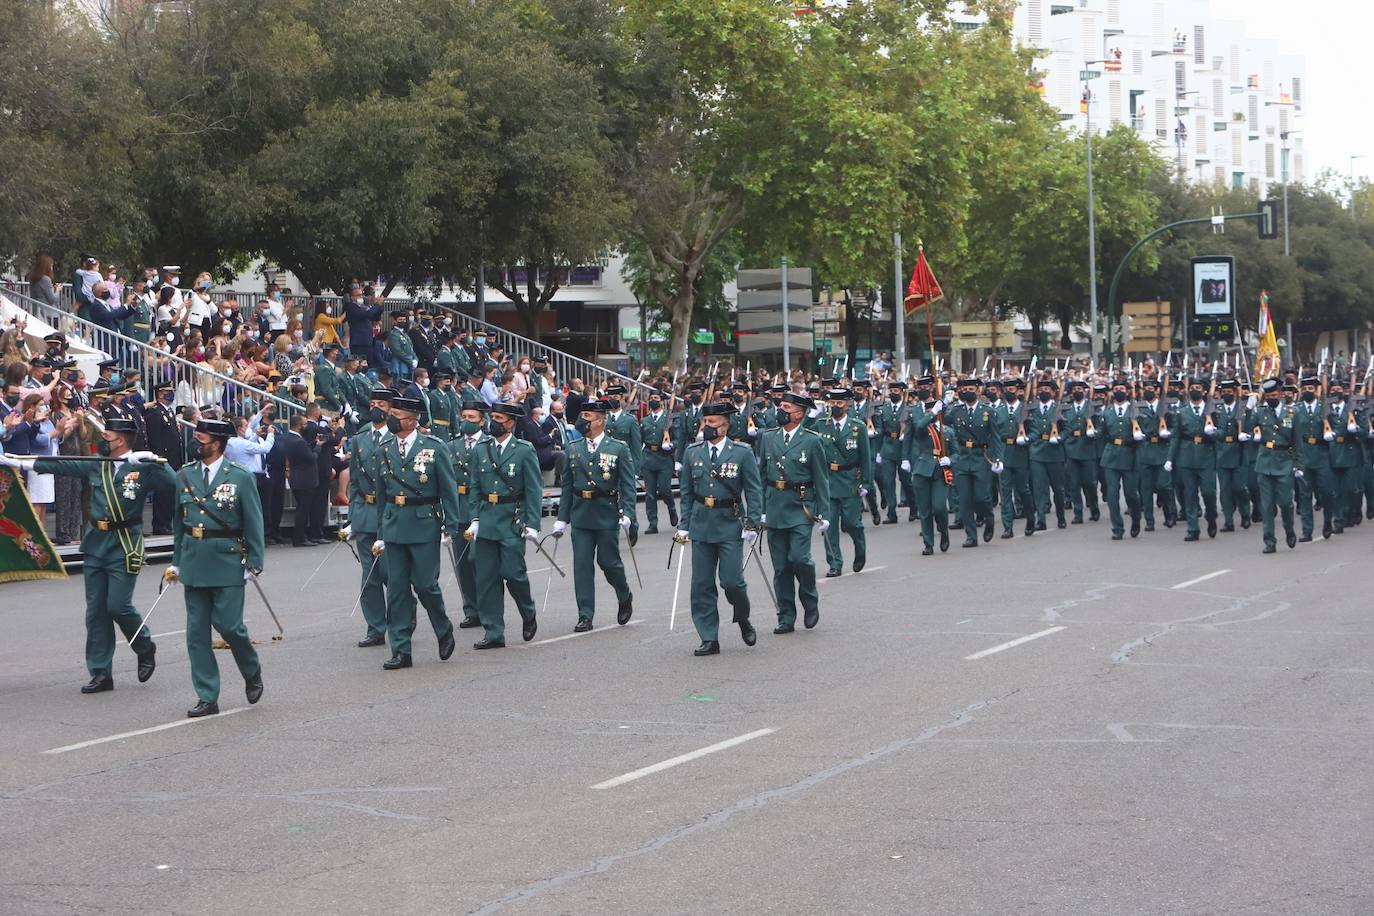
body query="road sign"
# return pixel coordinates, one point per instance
(703, 337)
(1089, 74)
(1148, 326)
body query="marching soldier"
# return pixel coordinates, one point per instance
(1121, 437)
(863, 410)
(419, 501)
(441, 406)
(851, 478)
(926, 459)
(796, 492)
(1311, 436)
(687, 424)
(1015, 481)
(1192, 459)
(656, 468)
(738, 428)
(1152, 418)
(505, 498)
(1231, 457)
(471, 434)
(1346, 456)
(1075, 420)
(720, 515)
(165, 441)
(1273, 432)
(620, 425)
(364, 513)
(887, 455)
(218, 545)
(598, 494)
(112, 547)
(977, 458)
(1046, 454)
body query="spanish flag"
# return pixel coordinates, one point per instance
(1267, 354)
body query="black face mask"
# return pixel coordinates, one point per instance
(1228, 398)
(1045, 397)
(923, 394)
(968, 397)
(655, 406)
(1271, 403)
(1309, 396)
(376, 415)
(1118, 396)
(494, 428)
(895, 398)
(394, 425)
(1078, 397)
(614, 402)
(696, 399)
(710, 433)
(1195, 396)
(103, 448)
(582, 425)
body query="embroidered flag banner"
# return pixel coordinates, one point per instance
(25, 551)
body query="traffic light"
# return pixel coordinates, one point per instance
(1269, 219)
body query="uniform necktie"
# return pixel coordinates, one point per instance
(591, 445)
(206, 469)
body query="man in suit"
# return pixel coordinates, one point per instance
(364, 513)
(598, 495)
(219, 545)
(302, 477)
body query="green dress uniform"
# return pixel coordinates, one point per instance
(1151, 478)
(686, 426)
(1274, 466)
(796, 488)
(656, 467)
(365, 518)
(598, 487)
(1193, 453)
(443, 414)
(1118, 466)
(1080, 452)
(138, 324)
(1347, 458)
(1047, 460)
(462, 448)
(1312, 457)
(505, 495)
(720, 491)
(927, 476)
(975, 447)
(1015, 482)
(620, 425)
(218, 531)
(328, 386)
(850, 464)
(402, 351)
(419, 501)
(1232, 489)
(887, 457)
(112, 549)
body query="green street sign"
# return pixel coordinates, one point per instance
(703, 337)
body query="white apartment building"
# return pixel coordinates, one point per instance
(1222, 105)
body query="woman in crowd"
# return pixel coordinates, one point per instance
(41, 284)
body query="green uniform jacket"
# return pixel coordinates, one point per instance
(733, 477)
(138, 324)
(624, 427)
(1228, 420)
(651, 431)
(328, 390)
(919, 444)
(1118, 438)
(849, 457)
(1073, 426)
(398, 342)
(597, 486)
(971, 440)
(1309, 446)
(1346, 451)
(364, 473)
(1154, 451)
(1192, 446)
(422, 481)
(1273, 431)
(1041, 429)
(887, 424)
(685, 427)
(796, 480)
(512, 478)
(462, 473)
(118, 491)
(443, 414)
(230, 503)
(1006, 421)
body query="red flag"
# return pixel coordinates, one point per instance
(924, 289)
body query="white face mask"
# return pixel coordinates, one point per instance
(226, 327)
(299, 334)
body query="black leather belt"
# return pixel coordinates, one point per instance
(593, 494)
(503, 500)
(201, 533)
(715, 502)
(788, 485)
(400, 499)
(842, 467)
(107, 524)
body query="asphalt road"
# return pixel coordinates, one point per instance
(1189, 731)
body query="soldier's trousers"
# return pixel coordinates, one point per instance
(973, 489)
(658, 485)
(1080, 475)
(1316, 482)
(503, 567)
(1345, 484)
(794, 572)
(710, 560)
(221, 608)
(908, 491)
(467, 580)
(1252, 485)
(1276, 491)
(67, 506)
(1117, 481)
(886, 474)
(1194, 482)
(592, 547)
(163, 502)
(1015, 484)
(110, 601)
(1047, 479)
(932, 501)
(1153, 480)
(1368, 475)
(412, 571)
(372, 584)
(1232, 493)
(847, 513)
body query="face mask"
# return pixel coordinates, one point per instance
(655, 406)
(895, 398)
(968, 397)
(1271, 403)
(1118, 396)
(1309, 396)
(276, 297)
(1078, 397)
(168, 397)
(298, 334)
(469, 427)
(376, 415)
(226, 328)
(710, 433)
(394, 425)
(923, 394)
(481, 341)
(103, 448)
(614, 402)
(696, 399)
(1228, 398)
(581, 426)
(496, 429)
(300, 316)
(226, 311)
(358, 301)
(1045, 397)
(329, 309)
(203, 284)
(1195, 396)
(524, 367)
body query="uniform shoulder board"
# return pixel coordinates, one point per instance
(235, 464)
(189, 464)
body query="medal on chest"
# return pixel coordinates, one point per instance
(423, 458)
(129, 486)
(225, 494)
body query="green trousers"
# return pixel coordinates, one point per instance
(594, 547)
(932, 505)
(1276, 492)
(110, 601)
(1080, 479)
(1233, 493)
(503, 569)
(1195, 483)
(412, 571)
(658, 485)
(846, 512)
(794, 572)
(221, 608)
(467, 578)
(1316, 482)
(1116, 482)
(1015, 487)
(974, 492)
(1345, 485)
(1152, 481)
(1047, 480)
(712, 561)
(886, 474)
(373, 600)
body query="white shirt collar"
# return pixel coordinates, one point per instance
(596, 442)
(213, 466)
(408, 441)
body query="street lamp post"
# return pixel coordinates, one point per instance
(1087, 75)
(1283, 176)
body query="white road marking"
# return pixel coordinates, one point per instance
(605, 629)
(866, 569)
(1010, 645)
(168, 633)
(682, 758)
(142, 731)
(962, 622)
(1210, 575)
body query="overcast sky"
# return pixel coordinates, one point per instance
(1334, 37)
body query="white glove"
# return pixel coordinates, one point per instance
(1243, 437)
(997, 467)
(141, 457)
(863, 492)
(1139, 437)
(248, 575)
(1092, 433)
(414, 363)
(625, 523)
(445, 539)
(1209, 429)
(906, 466)
(944, 461)
(677, 467)
(748, 536)
(346, 533)
(1054, 440)
(1250, 402)
(1329, 436)
(822, 524)
(667, 447)
(1165, 433)
(949, 396)
(378, 547)
(22, 464)
(681, 536)
(559, 527)
(1020, 440)
(530, 534)
(171, 574)
(763, 519)
(940, 405)
(1297, 472)
(1168, 466)
(472, 530)
(877, 459)
(1352, 427)
(753, 433)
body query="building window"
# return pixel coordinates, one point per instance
(1297, 92)
(1199, 48)
(1268, 160)
(1035, 11)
